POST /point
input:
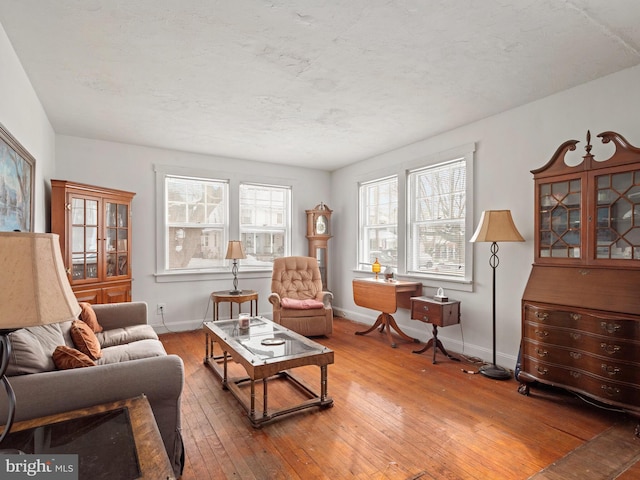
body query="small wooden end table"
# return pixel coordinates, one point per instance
(239, 298)
(438, 314)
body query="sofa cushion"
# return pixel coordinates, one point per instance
(305, 304)
(88, 316)
(132, 351)
(85, 340)
(66, 358)
(32, 348)
(122, 336)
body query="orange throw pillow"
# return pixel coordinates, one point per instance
(66, 357)
(85, 340)
(88, 316)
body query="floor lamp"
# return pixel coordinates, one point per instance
(235, 252)
(34, 290)
(495, 226)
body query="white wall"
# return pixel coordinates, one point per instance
(508, 146)
(131, 168)
(23, 116)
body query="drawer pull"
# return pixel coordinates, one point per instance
(425, 319)
(575, 374)
(541, 315)
(425, 308)
(575, 316)
(542, 333)
(542, 370)
(576, 336)
(610, 370)
(610, 349)
(610, 327)
(575, 355)
(541, 352)
(610, 391)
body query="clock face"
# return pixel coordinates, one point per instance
(321, 225)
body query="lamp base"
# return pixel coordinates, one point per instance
(235, 292)
(495, 372)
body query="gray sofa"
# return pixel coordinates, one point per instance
(133, 362)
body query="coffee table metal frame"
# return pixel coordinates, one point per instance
(262, 362)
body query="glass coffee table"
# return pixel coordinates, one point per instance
(265, 350)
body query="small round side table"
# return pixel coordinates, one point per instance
(240, 298)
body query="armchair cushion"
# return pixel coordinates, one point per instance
(301, 304)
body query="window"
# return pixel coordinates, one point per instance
(416, 217)
(379, 222)
(196, 213)
(264, 223)
(437, 213)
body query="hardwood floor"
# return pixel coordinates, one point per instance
(395, 416)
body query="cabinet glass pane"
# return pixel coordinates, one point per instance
(92, 212)
(111, 211)
(618, 213)
(92, 239)
(122, 239)
(77, 211)
(122, 264)
(123, 216)
(111, 239)
(560, 217)
(111, 265)
(77, 239)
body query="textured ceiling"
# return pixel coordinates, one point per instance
(310, 83)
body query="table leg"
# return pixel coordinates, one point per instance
(436, 344)
(252, 410)
(264, 397)
(387, 320)
(323, 383)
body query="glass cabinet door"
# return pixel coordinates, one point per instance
(84, 238)
(117, 239)
(618, 216)
(560, 219)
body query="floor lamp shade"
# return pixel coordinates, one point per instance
(34, 290)
(495, 226)
(34, 287)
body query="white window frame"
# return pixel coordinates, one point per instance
(365, 254)
(284, 228)
(445, 263)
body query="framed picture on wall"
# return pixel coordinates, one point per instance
(17, 179)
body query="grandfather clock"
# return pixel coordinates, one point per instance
(319, 233)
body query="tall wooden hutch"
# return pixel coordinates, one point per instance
(94, 225)
(581, 305)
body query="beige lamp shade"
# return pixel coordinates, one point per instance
(235, 250)
(34, 288)
(496, 226)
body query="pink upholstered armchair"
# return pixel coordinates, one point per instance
(299, 303)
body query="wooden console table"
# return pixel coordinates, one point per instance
(385, 296)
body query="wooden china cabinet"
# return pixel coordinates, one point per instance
(581, 305)
(94, 225)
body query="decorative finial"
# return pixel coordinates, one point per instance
(588, 146)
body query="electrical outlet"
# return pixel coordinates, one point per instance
(161, 309)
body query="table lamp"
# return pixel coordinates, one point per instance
(235, 252)
(34, 290)
(495, 226)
